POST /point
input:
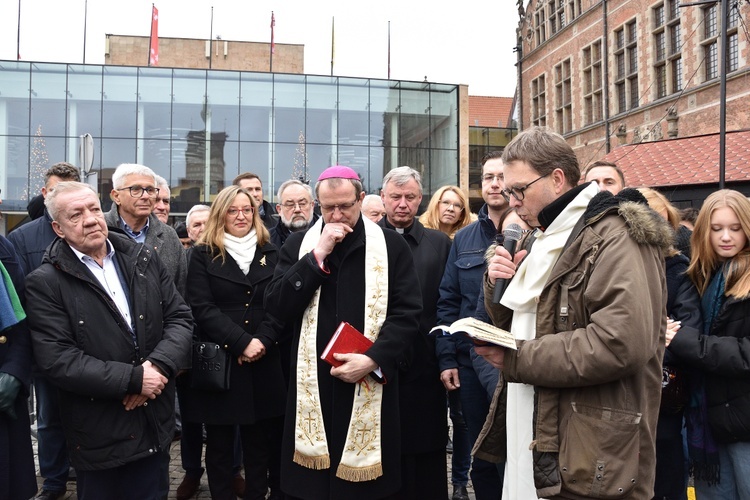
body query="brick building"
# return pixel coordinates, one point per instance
(622, 72)
(193, 53)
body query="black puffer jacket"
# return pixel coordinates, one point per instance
(81, 343)
(724, 357)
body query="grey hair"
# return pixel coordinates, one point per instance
(293, 182)
(126, 169)
(372, 198)
(401, 175)
(193, 210)
(161, 182)
(63, 187)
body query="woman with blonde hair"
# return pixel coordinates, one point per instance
(229, 269)
(718, 418)
(448, 211)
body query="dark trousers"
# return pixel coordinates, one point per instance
(52, 448)
(140, 479)
(461, 458)
(485, 476)
(671, 479)
(424, 475)
(256, 450)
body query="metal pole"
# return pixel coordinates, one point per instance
(211, 40)
(85, 18)
(18, 40)
(723, 93)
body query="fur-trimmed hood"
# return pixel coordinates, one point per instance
(645, 226)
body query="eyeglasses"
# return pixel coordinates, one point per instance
(489, 178)
(518, 192)
(137, 191)
(342, 207)
(447, 204)
(290, 205)
(247, 212)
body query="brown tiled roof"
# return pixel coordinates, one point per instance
(489, 111)
(689, 160)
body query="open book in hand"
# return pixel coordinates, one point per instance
(479, 332)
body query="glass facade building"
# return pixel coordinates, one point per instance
(200, 128)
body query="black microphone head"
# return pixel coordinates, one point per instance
(513, 232)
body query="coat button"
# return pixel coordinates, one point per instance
(248, 292)
(141, 316)
(247, 322)
(600, 467)
(297, 283)
(3, 339)
(247, 305)
(80, 322)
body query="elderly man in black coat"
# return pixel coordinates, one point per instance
(342, 434)
(110, 329)
(424, 426)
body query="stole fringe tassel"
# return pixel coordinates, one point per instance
(318, 463)
(359, 474)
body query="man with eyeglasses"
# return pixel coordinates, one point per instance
(583, 387)
(134, 194)
(342, 436)
(295, 208)
(459, 298)
(424, 426)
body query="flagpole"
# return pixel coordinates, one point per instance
(85, 18)
(389, 50)
(333, 45)
(18, 41)
(270, 57)
(211, 40)
(151, 34)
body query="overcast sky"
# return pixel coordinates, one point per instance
(437, 40)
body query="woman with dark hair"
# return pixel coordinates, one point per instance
(229, 269)
(718, 417)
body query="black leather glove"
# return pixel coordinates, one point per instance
(9, 387)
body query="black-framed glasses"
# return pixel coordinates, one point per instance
(341, 206)
(137, 191)
(290, 205)
(518, 193)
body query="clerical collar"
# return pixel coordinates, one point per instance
(399, 230)
(549, 213)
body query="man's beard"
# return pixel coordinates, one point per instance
(294, 225)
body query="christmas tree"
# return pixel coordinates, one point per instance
(39, 163)
(299, 171)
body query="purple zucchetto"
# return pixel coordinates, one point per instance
(338, 172)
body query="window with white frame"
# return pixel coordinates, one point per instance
(592, 83)
(563, 98)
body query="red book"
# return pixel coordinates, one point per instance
(345, 339)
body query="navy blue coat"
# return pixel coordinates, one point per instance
(17, 476)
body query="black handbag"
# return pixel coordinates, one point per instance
(210, 371)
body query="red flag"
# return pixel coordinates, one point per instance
(153, 58)
(273, 23)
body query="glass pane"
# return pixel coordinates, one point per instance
(14, 179)
(384, 105)
(256, 92)
(444, 117)
(321, 121)
(84, 100)
(119, 102)
(353, 115)
(289, 108)
(254, 157)
(48, 99)
(155, 103)
(224, 102)
(188, 103)
(414, 119)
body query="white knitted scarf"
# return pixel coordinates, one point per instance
(242, 249)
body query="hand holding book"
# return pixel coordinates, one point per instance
(479, 332)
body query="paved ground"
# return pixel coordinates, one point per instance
(176, 474)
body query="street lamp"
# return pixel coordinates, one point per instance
(722, 82)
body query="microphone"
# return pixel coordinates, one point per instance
(511, 235)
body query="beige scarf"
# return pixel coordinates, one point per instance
(361, 458)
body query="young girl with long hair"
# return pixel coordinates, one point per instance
(718, 417)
